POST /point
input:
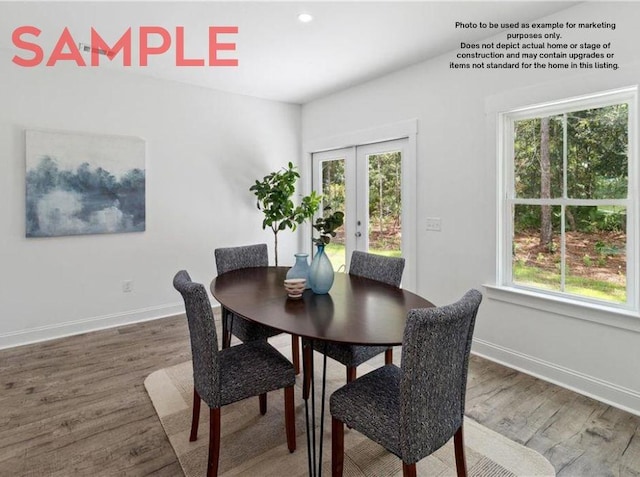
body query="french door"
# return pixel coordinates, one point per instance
(366, 183)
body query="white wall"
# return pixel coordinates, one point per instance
(457, 181)
(204, 150)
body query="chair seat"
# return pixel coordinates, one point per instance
(347, 354)
(246, 330)
(267, 368)
(371, 404)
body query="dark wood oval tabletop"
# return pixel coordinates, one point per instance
(356, 310)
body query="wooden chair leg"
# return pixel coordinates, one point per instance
(306, 375)
(195, 417)
(337, 447)
(351, 373)
(461, 461)
(290, 418)
(214, 442)
(295, 353)
(263, 403)
(388, 356)
(408, 470)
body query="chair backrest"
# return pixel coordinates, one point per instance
(204, 339)
(377, 267)
(435, 359)
(234, 258)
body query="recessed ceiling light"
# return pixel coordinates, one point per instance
(305, 17)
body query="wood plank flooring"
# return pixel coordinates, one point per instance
(580, 436)
(77, 407)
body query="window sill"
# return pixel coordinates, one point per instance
(609, 316)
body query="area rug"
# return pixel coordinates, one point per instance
(255, 445)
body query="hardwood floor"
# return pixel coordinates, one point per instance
(77, 406)
(580, 436)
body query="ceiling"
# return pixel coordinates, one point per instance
(279, 57)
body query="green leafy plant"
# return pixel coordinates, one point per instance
(327, 226)
(275, 192)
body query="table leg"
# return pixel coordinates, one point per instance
(314, 459)
(307, 366)
(324, 387)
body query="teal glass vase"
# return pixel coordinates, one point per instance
(321, 272)
(300, 269)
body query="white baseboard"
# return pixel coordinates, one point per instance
(69, 328)
(606, 392)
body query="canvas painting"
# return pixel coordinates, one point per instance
(84, 184)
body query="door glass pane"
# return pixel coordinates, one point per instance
(596, 243)
(333, 195)
(536, 246)
(385, 206)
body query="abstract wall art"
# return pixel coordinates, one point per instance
(79, 184)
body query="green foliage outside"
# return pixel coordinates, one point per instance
(336, 253)
(333, 185)
(385, 204)
(596, 168)
(583, 219)
(583, 286)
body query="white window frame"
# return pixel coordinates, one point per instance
(507, 197)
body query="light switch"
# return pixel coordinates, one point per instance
(434, 224)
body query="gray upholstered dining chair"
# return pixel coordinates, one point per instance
(375, 267)
(221, 377)
(414, 409)
(235, 258)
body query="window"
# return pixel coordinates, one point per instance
(568, 199)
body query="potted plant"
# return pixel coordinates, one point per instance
(274, 193)
(327, 226)
(321, 271)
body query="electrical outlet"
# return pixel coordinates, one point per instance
(434, 224)
(127, 286)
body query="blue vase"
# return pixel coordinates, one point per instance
(321, 272)
(300, 269)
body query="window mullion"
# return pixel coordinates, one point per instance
(565, 160)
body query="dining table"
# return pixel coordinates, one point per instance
(356, 310)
